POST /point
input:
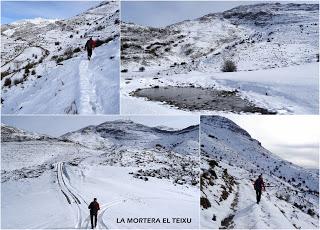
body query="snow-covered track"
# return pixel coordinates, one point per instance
(88, 97)
(71, 197)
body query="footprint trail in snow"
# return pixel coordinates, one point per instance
(88, 97)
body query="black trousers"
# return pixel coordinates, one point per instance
(258, 193)
(93, 216)
(89, 53)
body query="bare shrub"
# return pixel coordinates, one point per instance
(4, 74)
(141, 69)
(205, 203)
(17, 81)
(229, 66)
(7, 82)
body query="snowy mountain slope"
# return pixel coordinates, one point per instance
(10, 134)
(48, 69)
(230, 161)
(124, 133)
(260, 36)
(129, 179)
(269, 43)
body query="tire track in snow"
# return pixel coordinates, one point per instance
(88, 96)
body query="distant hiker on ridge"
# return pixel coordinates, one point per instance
(259, 186)
(94, 208)
(90, 46)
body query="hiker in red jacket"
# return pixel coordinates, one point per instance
(259, 186)
(90, 46)
(94, 208)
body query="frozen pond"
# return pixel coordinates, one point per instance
(196, 98)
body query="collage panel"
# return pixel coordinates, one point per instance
(259, 172)
(142, 170)
(181, 57)
(190, 114)
(63, 59)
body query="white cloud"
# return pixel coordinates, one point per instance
(293, 137)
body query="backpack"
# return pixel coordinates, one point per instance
(89, 44)
(258, 184)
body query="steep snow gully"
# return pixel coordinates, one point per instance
(78, 202)
(88, 96)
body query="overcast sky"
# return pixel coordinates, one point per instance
(16, 10)
(294, 138)
(59, 125)
(150, 13)
(163, 13)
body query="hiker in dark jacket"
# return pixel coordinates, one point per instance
(259, 186)
(94, 208)
(90, 46)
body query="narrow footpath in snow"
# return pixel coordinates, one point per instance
(88, 97)
(249, 214)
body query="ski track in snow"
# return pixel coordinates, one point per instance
(88, 96)
(100, 223)
(73, 198)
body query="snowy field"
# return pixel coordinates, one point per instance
(119, 195)
(49, 182)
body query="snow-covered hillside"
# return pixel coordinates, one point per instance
(9, 133)
(127, 133)
(45, 67)
(268, 42)
(114, 162)
(230, 161)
